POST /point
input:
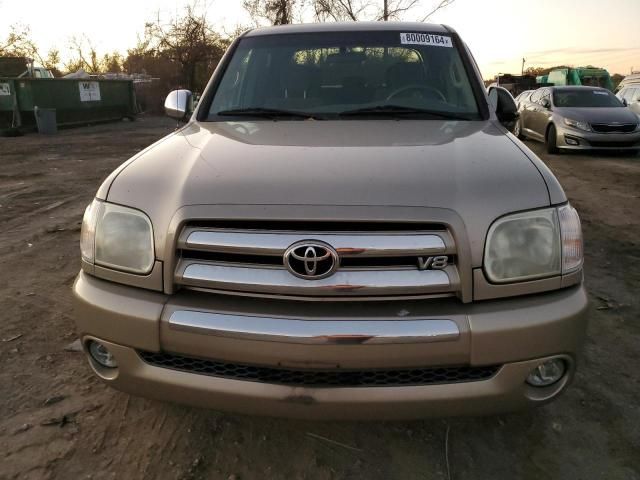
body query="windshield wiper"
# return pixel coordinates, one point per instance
(268, 113)
(393, 110)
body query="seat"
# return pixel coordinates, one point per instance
(298, 82)
(404, 74)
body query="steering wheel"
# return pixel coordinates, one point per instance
(425, 91)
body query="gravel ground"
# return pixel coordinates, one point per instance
(58, 421)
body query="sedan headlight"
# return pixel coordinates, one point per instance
(577, 124)
(536, 244)
(117, 237)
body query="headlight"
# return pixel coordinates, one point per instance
(577, 124)
(531, 245)
(117, 237)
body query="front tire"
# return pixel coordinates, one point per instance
(517, 129)
(551, 140)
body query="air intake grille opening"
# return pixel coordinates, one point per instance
(321, 378)
(608, 128)
(606, 144)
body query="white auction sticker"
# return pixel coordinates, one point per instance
(89, 91)
(5, 89)
(425, 39)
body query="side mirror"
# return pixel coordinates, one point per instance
(624, 102)
(546, 103)
(505, 107)
(178, 104)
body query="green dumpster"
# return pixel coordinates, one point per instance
(76, 101)
(542, 79)
(590, 76)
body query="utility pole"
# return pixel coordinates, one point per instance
(385, 15)
(523, 60)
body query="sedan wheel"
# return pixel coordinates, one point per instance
(551, 139)
(517, 130)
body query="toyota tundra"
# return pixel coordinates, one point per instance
(342, 228)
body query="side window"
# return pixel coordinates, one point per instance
(536, 96)
(540, 94)
(625, 94)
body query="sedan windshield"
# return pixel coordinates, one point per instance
(585, 98)
(345, 75)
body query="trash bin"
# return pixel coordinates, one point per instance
(46, 120)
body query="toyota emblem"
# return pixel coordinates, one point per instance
(311, 260)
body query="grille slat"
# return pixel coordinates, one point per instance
(320, 378)
(347, 245)
(318, 226)
(344, 282)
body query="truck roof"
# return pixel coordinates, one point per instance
(349, 27)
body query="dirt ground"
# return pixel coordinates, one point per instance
(58, 421)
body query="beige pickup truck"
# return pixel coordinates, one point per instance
(343, 228)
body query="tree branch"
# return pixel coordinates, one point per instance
(440, 6)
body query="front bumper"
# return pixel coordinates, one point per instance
(515, 333)
(567, 137)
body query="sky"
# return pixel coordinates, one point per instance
(499, 32)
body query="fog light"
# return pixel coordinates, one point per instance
(101, 354)
(547, 373)
(571, 141)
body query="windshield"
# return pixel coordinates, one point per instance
(586, 98)
(333, 73)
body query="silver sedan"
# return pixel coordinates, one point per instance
(578, 118)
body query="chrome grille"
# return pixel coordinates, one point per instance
(371, 263)
(321, 378)
(614, 127)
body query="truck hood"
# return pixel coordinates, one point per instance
(599, 115)
(472, 168)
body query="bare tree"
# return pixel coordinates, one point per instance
(20, 44)
(442, 4)
(85, 56)
(340, 10)
(395, 9)
(112, 62)
(276, 12)
(356, 10)
(189, 41)
(52, 61)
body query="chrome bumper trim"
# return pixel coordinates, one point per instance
(347, 245)
(314, 331)
(277, 280)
